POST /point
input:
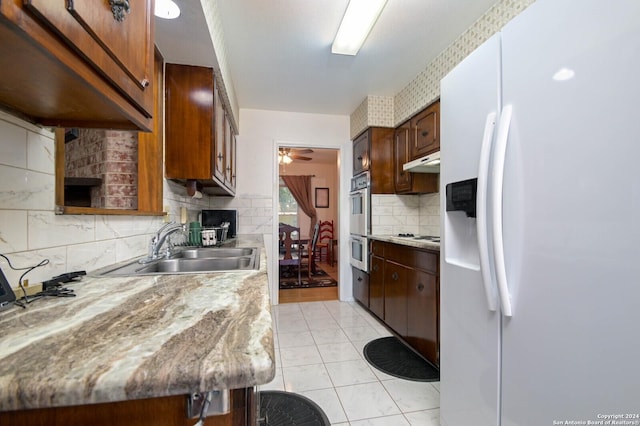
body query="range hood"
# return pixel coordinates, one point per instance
(427, 164)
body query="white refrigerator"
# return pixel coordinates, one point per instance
(540, 255)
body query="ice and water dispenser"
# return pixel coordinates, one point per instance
(461, 246)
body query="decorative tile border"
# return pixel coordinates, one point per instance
(425, 88)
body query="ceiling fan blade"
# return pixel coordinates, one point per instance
(302, 151)
(299, 157)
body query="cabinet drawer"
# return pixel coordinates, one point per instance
(360, 286)
(377, 248)
(413, 257)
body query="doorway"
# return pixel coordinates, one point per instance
(308, 276)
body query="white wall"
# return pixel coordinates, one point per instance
(260, 135)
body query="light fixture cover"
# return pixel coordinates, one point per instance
(284, 158)
(166, 9)
(357, 22)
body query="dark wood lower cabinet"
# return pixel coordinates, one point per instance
(165, 411)
(422, 314)
(396, 279)
(376, 286)
(404, 294)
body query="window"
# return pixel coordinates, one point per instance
(287, 206)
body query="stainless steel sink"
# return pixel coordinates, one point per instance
(216, 252)
(193, 260)
(199, 265)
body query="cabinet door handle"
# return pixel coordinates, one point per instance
(220, 156)
(375, 267)
(359, 278)
(420, 287)
(145, 82)
(360, 157)
(395, 276)
(425, 133)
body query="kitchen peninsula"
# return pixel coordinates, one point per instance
(136, 338)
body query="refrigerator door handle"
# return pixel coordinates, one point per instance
(496, 191)
(482, 211)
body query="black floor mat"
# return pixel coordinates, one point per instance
(290, 409)
(391, 356)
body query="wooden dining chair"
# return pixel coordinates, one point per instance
(325, 242)
(308, 257)
(290, 248)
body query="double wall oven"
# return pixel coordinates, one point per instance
(360, 221)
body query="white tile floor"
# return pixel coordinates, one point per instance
(319, 354)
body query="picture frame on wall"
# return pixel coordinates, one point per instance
(322, 198)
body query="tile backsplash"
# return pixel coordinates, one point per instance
(402, 214)
(30, 231)
(255, 213)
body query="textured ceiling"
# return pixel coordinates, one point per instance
(279, 51)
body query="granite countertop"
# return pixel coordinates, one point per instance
(405, 241)
(125, 338)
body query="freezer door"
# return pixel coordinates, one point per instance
(469, 351)
(571, 209)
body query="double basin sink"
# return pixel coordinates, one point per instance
(193, 260)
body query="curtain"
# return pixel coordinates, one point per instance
(300, 187)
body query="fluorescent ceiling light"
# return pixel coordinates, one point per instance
(356, 24)
(166, 9)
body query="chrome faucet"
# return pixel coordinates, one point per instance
(158, 240)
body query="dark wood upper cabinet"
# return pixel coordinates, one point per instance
(425, 129)
(218, 146)
(401, 146)
(361, 149)
(382, 152)
(373, 152)
(199, 137)
(407, 182)
(74, 64)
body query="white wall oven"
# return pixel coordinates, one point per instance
(359, 200)
(359, 221)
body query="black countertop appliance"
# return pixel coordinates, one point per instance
(216, 217)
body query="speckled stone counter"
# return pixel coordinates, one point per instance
(126, 338)
(424, 244)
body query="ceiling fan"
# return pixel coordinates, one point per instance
(287, 155)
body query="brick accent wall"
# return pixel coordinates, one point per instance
(112, 156)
